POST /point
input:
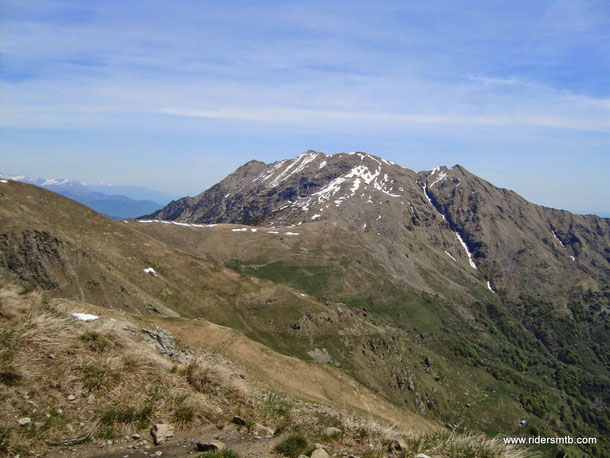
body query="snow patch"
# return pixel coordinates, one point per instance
(573, 258)
(425, 188)
(303, 160)
(557, 238)
(243, 229)
(489, 287)
(272, 232)
(150, 270)
(450, 256)
(175, 223)
(441, 176)
(291, 233)
(315, 216)
(322, 164)
(3, 181)
(472, 264)
(253, 230)
(84, 316)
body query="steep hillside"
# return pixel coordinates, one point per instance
(69, 251)
(95, 388)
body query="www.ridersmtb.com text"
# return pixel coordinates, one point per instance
(565, 440)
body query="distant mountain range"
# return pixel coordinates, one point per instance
(116, 201)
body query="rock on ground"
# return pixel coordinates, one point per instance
(161, 432)
(205, 446)
(319, 453)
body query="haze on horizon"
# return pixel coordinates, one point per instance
(176, 95)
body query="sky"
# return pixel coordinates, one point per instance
(174, 95)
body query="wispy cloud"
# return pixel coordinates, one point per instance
(438, 68)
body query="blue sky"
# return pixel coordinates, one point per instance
(175, 95)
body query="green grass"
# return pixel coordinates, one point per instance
(184, 415)
(312, 279)
(276, 405)
(26, 290)
(140, 417)
(293, 446)
(95, 341)
(98, 375)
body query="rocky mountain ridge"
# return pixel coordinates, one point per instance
(510, 242)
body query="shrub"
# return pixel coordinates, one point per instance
(293, 446)
(274, 404)
(95, 341)
(205, 377)
(128, 415)
(98, 375)
(184, 415)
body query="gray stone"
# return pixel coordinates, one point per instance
(205, 446)
(319, 453)
(24, 421)
(332, 431)
(71, 398)
(164, 343)
(262, 431)
(135, 436)
(161, 432)
(421, 455)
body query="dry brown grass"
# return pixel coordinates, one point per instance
(204, 376)
(121, 384)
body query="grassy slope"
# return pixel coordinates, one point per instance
(486, 357)
(122, 386)
(109, 270)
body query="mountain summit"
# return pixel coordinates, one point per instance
(491, 233)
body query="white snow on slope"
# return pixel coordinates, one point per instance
(175, 223)
(441, 176)
(489, 287)
(472, 264)
(450, 256)
(315, 216)
(84, 316)
(291, 233)
(269, 171)
(272, 232)
(322, 164)
(561, 243)
(243, 229)
(303, 160)
(150, 270)
(3, 181)
(470, 259)
(557, 238)
(425, 188)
